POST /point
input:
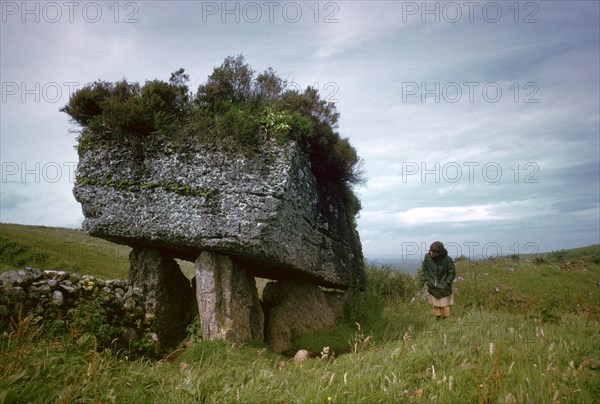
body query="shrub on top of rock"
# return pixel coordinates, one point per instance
(234, 106)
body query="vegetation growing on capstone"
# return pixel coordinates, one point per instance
(235, 107)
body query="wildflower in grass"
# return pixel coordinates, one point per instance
(149, 317)
(88, 283)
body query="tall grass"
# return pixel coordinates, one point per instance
(479, 357)
(535, 339)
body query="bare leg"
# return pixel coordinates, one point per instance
(446, 311)
(438, 311)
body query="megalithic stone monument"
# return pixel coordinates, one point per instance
(236, 214)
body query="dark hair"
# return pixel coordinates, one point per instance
(437, 247)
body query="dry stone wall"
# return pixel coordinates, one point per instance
(51, 294)
(33, 288)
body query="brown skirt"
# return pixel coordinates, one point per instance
(441, 302)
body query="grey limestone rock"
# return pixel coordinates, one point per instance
(292, 308)
(166, 294)
(228, 302)
(9, 278)
(262, 207)
(29, 275)
(57, 298)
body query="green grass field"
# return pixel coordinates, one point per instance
(57, 248)
(65, 249)
(524, 329)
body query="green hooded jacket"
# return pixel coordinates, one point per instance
(438, 274)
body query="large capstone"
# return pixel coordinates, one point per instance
(262, 207)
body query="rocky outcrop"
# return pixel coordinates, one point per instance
(293, 308)
(228, 301)
(262, 207)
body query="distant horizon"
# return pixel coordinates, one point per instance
(391, 258)
(409, 263)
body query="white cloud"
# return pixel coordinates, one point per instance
(423, 216)
(351, 26)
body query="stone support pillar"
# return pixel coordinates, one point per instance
(167, 295)
(228, 301)
(293, 307)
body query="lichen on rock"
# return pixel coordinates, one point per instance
(264, 209)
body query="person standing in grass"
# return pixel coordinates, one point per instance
(438, 273)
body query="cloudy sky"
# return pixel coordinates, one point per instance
(478, 122)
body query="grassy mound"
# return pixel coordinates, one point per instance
(58, 248)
